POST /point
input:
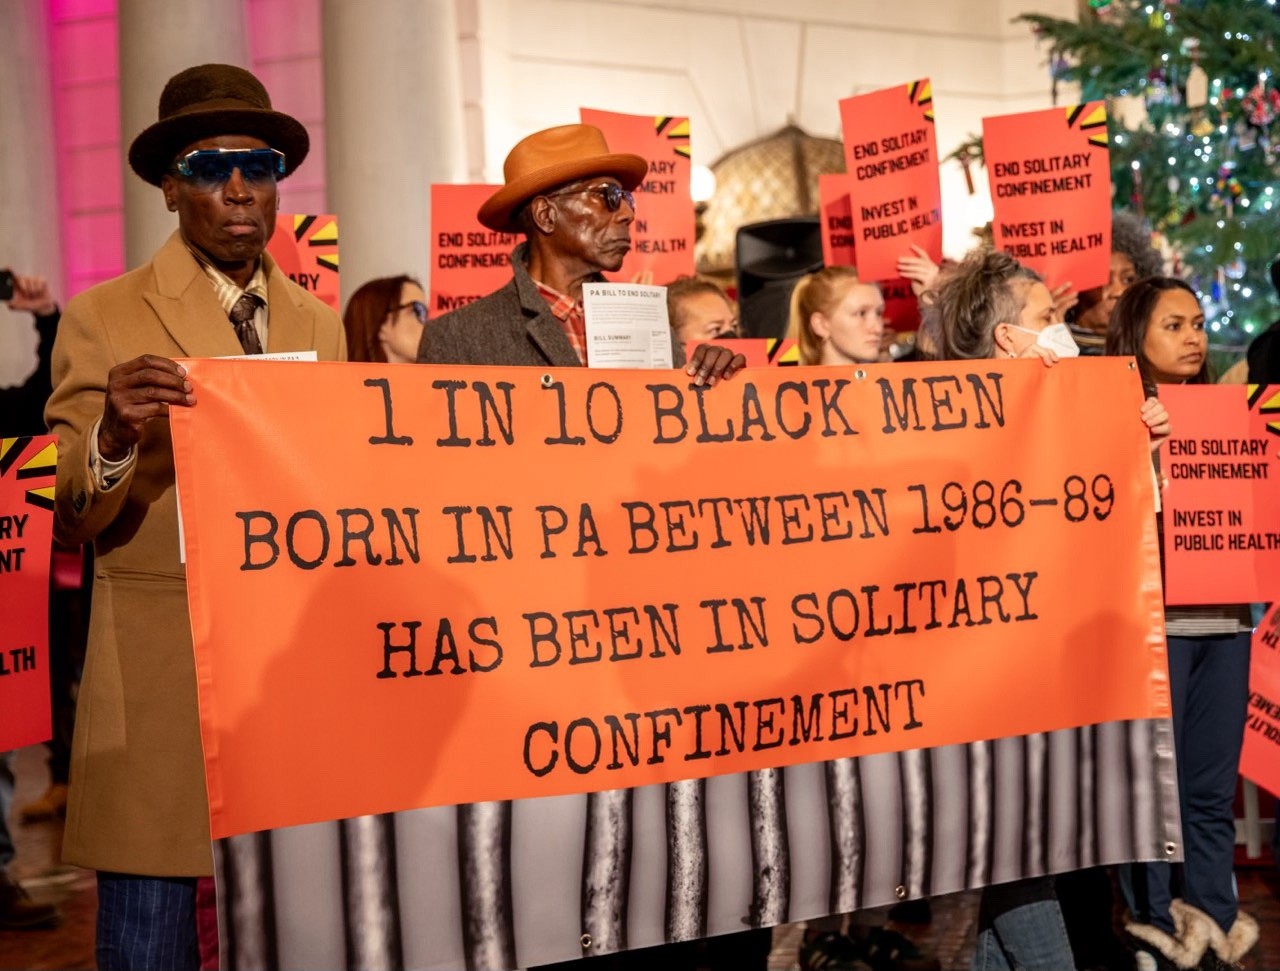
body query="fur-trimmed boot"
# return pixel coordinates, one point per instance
(1230, 947)
(1193, 930)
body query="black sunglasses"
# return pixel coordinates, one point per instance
(417, 306)
(211, 167)
(612, 194)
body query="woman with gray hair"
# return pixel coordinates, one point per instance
(992, 307)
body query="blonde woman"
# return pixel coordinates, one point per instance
(836, 318)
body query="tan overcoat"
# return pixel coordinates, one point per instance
(137, 800)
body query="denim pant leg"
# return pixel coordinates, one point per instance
(1020, 926)
(146, 923)
(1213, 733)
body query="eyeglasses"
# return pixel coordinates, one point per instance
(612, 194)
(417, 306)
(210, 168)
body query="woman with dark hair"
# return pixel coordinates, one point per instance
(384, 320)
(699, 310)
(1192, 919)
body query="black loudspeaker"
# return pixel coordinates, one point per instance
(769, 258)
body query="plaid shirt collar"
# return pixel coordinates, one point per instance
(571, 315)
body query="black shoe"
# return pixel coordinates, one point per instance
(912, 912)
(18, 912)
(887, 950)
(830, 952)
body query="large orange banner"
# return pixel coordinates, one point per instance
(891, 153)
(1221, 506)
(662, 236)
(27, 469)
(489, 583)
(1051, 191)
(468, 260)
(306, 248)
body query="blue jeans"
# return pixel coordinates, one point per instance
(1020, 927)
(1209, 689)
(146, 923)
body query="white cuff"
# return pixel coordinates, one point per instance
(106, 473)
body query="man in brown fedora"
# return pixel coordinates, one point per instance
(570, 197)
(138, 811)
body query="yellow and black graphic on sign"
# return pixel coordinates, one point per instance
(1090, 118)
(676, 131)
(313, 232)
(1265, 400)
(40, 466)
(921, 93)
(783, 352)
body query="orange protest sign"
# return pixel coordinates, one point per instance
(1051, 191)
(468, 260)
(901, 310)
(891, 154)
(27, 469)
(836, 214)
(491, 583)
(306, 248)
(662, 235)
(1221, 516)
(1260, 755)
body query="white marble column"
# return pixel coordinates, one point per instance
(393, 126)
(28, 191)
(159, 38)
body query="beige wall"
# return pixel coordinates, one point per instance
(743, 68)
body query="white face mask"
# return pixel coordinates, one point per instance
(1055, 337)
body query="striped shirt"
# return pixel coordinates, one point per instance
(227, 292)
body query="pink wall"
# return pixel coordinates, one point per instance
(284, 50)
(285, 54)
(84, 64)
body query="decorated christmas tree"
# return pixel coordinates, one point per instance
(1194, 110)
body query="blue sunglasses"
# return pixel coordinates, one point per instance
(212, 167)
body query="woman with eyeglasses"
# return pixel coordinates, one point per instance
(384, 320)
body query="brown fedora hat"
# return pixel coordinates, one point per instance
(208, 101)
(553, 157)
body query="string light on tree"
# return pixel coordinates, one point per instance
(1204, 73)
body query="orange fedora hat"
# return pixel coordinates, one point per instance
(553, 157)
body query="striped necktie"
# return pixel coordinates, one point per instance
(242, 318)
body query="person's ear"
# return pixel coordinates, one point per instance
(1003, 338)
(819, 325)
(542, 213)
(170, 189)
